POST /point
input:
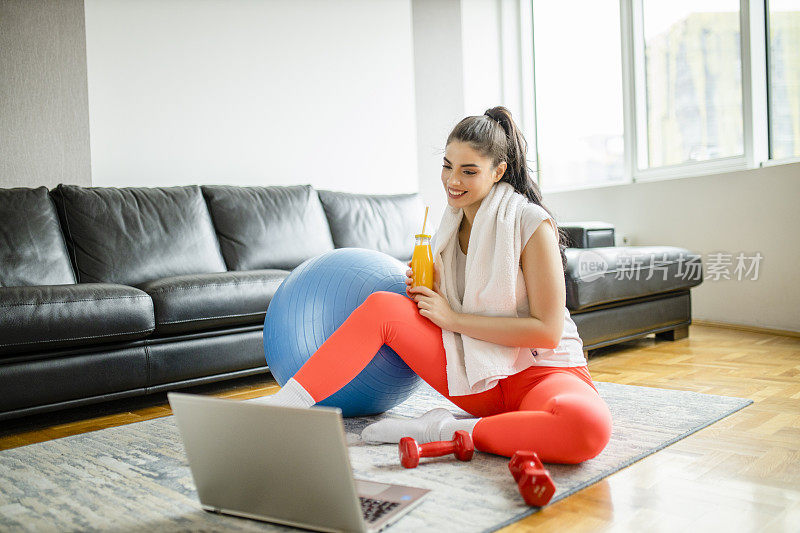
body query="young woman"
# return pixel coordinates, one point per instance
(551, 406)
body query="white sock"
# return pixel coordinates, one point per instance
(292, 394)
(450, 427)
(436, 424)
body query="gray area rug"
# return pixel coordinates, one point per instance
(135, 477)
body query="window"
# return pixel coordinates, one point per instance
(693, 81)
(636, 90)
(784, 78)
(579, 115)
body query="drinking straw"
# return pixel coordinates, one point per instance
(425, 220)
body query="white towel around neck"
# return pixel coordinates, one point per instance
(490, 279)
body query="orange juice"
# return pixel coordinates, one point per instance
(422, 262)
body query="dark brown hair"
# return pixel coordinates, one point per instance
(495, 135)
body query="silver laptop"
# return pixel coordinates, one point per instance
(287, 465)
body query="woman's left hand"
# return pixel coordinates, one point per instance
(433, 306)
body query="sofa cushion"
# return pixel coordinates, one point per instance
(386, 223)
(602, 275)
(268, 227)
(206, 301)
(32, 250)
(45, 317)
(135, 234)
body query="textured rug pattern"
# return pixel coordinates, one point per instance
(135, 477)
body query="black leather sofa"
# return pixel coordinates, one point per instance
(107, 293)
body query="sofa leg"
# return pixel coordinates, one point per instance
(681, 332)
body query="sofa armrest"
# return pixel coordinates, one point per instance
(589, 234)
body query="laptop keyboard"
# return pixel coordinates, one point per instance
(375, 509)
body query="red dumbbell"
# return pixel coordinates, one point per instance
(461, 446)
(535, 484)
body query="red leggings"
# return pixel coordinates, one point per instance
(554, 411)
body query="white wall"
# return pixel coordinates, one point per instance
(748, 211)
(252, 92)
(439, 75)
(325, 93)
(483, 83)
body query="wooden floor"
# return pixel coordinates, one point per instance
(739, 474)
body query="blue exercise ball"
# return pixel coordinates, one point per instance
(313, 301)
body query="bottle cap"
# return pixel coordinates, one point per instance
(418, 235)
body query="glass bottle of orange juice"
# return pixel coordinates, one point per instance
(422, 261)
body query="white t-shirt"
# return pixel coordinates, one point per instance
(569, 351)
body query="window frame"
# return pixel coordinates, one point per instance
(753, 20)
(769, 160)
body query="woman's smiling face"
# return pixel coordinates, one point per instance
(468, 176)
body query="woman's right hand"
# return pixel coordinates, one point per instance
(409, 279)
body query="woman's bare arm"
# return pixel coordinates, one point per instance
(544, 281)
